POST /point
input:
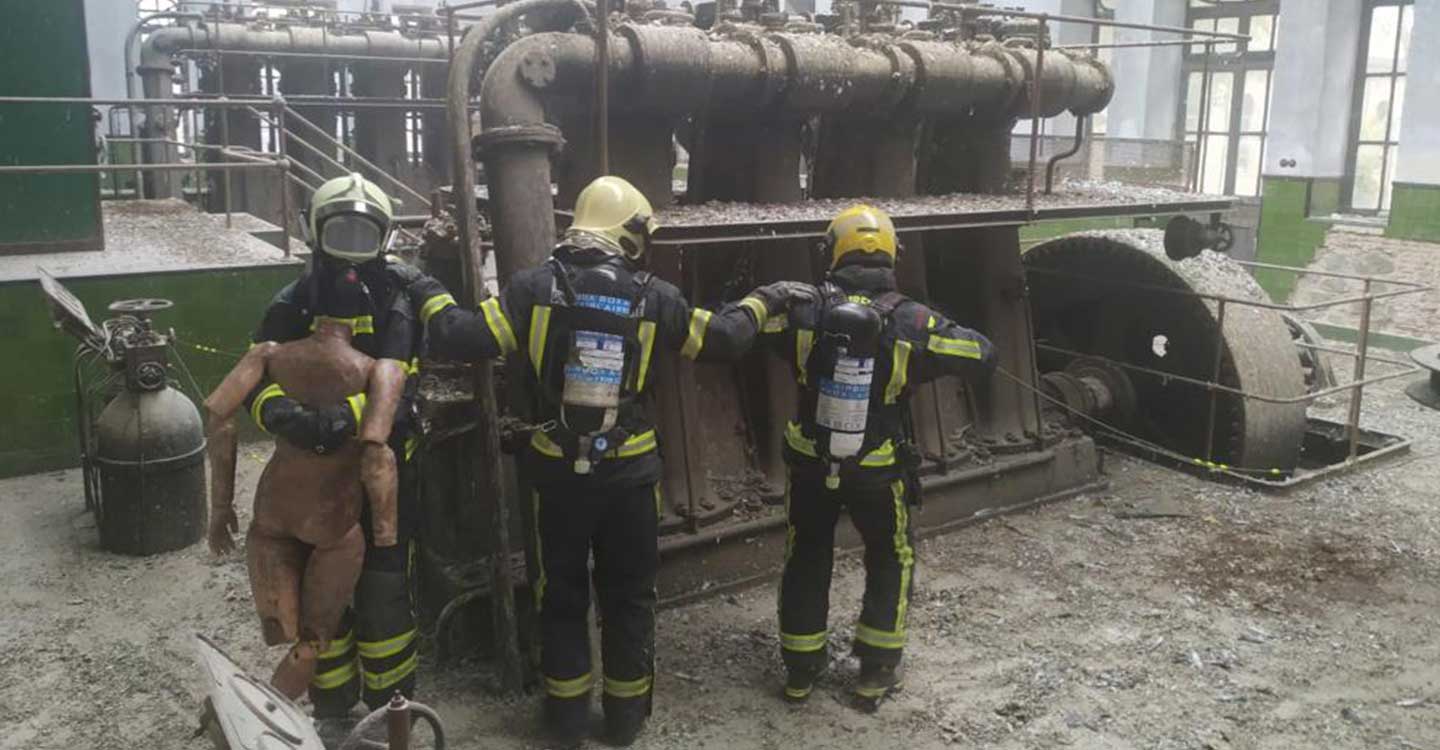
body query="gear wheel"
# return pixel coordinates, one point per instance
(1106, 294)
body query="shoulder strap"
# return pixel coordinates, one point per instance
(886, 303)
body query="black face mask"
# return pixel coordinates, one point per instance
(344, 290)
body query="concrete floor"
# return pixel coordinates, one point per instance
(1165, 613)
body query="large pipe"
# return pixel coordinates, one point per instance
(675, 71)
(163, 44)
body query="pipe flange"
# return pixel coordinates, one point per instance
(494, 140)
(537, 69)
(772, 84)
(1014, 71)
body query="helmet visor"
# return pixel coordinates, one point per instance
(352, 237)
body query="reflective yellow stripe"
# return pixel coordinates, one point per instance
(358, 324)
(357, 406)
(636, 445)
(391, 676)
(879, 638)
(968, 348)
(699, 323)
(568, 688)
(904, 552)
(646, 333)
(627, 688)
(499, 326)
(412, 367)
(411, 444)
(804, 340)
(775, 324)
(899, 371)
(540, 579)
(335, 677)
(539, 330)
(804, 643)
(756, 308)
(871, 692)
(271, 391)
(797, 692)
(338, 647)
(795, 438)
(434, 305)
(659, 502)
(388, 647)
(858, 299)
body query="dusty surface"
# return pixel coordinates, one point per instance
(1349, 251)
(1166, 613)
(153, 236)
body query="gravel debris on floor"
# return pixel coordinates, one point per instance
(1167, 612)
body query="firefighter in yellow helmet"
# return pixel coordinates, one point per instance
(588, 323)
(858, 352)
(348, 226)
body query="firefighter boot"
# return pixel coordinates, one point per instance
(799, 682)
(567, 721)
(625, 719)
(876, 682)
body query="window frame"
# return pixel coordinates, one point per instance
(1391, 141)
(1239, 64)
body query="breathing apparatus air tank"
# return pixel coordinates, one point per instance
(848, 345)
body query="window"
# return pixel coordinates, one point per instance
(345, 119)
(269, 87)
(414, 129)
(147, 7)
(1227, 100)
(1379, 103)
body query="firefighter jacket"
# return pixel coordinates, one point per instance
(390, 331)
(916, 345)
(528, 320)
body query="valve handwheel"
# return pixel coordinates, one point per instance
(141, 306)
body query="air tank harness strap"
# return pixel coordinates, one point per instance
(570, 315)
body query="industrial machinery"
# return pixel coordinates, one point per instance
(142, 443)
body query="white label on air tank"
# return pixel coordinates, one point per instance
(594, 371)
(844, 402)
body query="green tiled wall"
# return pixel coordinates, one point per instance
(1287, 237)
(213, 308)
(1414, 212)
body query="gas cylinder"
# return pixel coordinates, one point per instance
(149, 453)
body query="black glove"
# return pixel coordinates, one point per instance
(418, 286)
(781, 295)
(320, 430)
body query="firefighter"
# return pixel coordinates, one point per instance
(588, 323)
(857, 354)
(348, 223)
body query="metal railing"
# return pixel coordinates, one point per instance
(1366, 299)
(275, 112)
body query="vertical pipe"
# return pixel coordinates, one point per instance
(279, 114)
(1353, 423)
(397, 723)
(1056, 159)
(1036, 84)
(602, 85)
(1201, 120)
(225, 147)
(1215, 378)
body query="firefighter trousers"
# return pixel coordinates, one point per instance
(880, 512)
(619, 525)
(376, 652)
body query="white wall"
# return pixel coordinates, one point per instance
(1313, 87)
(106, 24)
(1148, 84)
(1419, 156)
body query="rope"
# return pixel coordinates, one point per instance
(1139, 442)
(210, 349)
